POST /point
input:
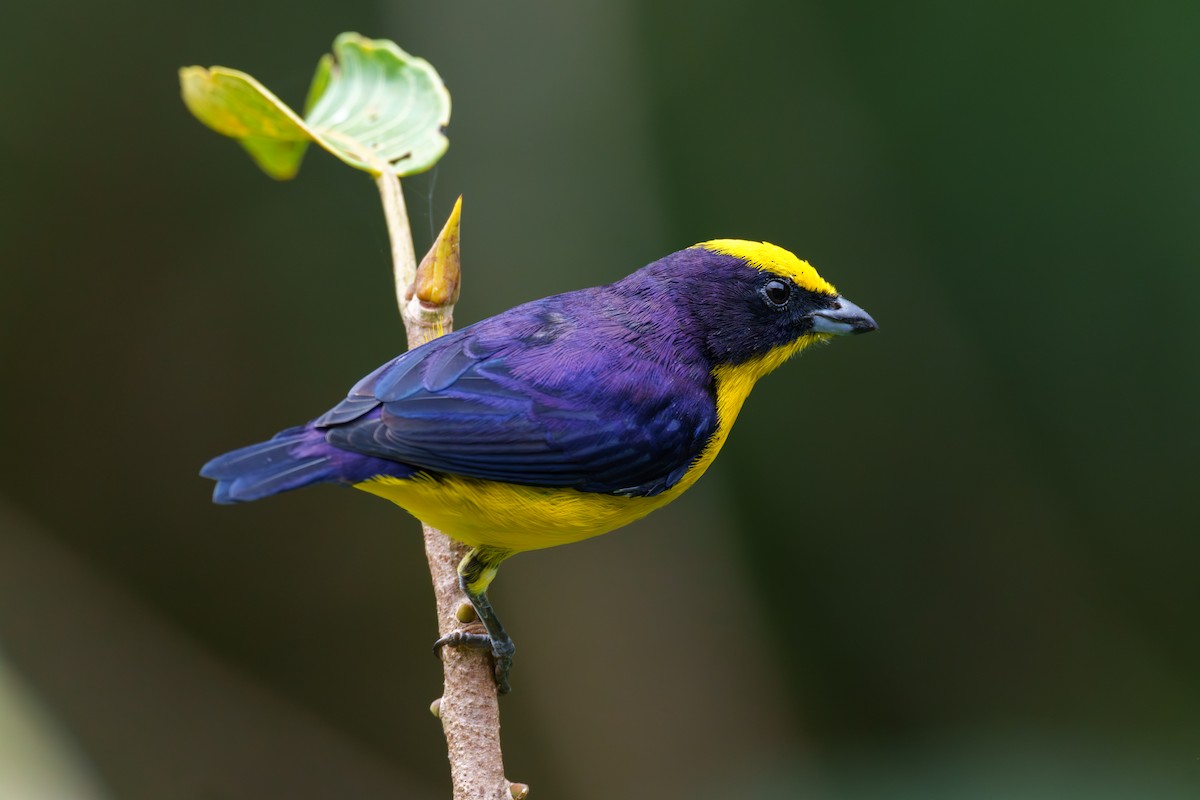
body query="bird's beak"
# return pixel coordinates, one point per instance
(843, 318)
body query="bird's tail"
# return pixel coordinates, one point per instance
(291, 459)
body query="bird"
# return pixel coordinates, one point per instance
(562, 418)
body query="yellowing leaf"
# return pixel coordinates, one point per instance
(370, 104)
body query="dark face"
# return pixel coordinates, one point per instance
(747, 312)
(770, 311)
(736, 312)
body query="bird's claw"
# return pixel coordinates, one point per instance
(502, 652)
(478, 641)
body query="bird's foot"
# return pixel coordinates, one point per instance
(502, 652)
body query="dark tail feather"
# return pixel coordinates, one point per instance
(293, 458)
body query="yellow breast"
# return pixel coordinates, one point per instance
(516, 518)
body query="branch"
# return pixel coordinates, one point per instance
(468, 707)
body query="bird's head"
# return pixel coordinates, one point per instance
(759, 304)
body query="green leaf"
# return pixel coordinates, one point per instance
(370, 104)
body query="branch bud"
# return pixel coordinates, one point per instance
(439, 273)
(465, 613)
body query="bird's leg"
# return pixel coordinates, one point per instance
(475, 574)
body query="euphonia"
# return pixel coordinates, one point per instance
(562, 418)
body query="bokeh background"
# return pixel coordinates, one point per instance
(954, 559)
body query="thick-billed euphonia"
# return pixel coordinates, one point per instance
(562, 418)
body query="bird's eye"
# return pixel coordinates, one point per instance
(777, 292)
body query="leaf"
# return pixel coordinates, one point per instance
(370, 104)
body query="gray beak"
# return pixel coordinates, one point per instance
(843, 318)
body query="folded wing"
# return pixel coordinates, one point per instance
(561, 417)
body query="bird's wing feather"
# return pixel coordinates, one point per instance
(463, 406)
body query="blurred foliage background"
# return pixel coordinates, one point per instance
(956, 558)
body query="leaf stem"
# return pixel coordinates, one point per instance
(404, 257)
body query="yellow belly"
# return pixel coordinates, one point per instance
(508, 516)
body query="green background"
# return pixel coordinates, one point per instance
(956, 558)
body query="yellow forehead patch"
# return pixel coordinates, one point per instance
(771, 258)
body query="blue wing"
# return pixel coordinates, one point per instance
(546, 413)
